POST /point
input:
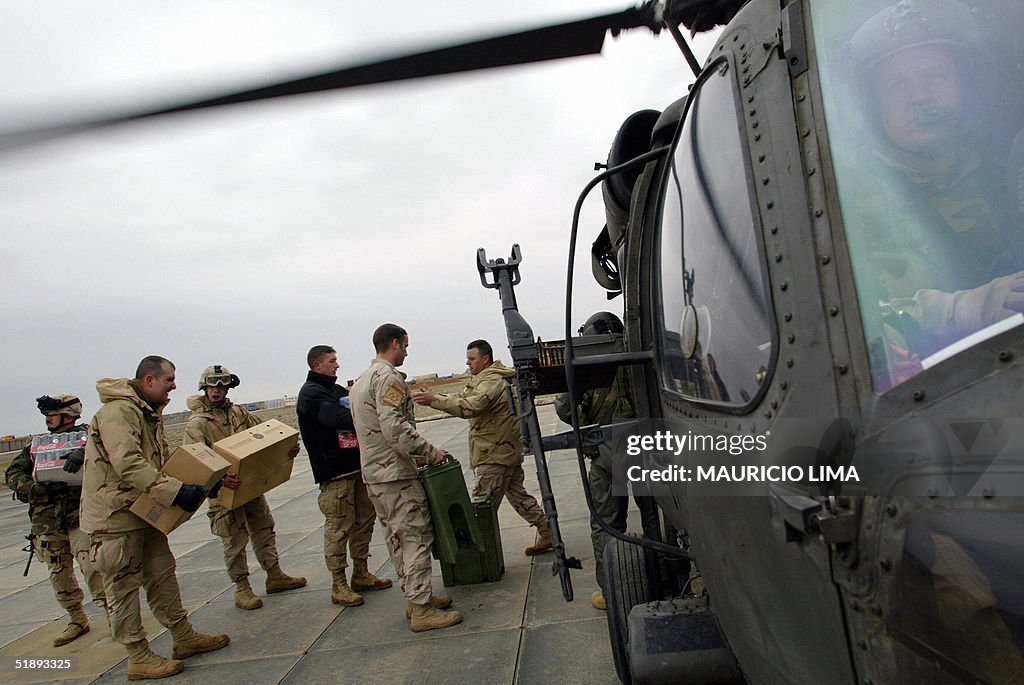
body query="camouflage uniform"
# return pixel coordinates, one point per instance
(123, 456)
(348, 521)
(389, 445)
(605, 406)
(496, 454)
(59, 542)
(251, 521)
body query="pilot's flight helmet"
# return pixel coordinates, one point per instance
(602, 322)
(910, 23)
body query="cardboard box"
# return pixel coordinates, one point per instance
(49, 452)
(259, 458)
(196, 464)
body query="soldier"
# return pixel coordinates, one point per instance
(390, 450)
(214, 417)
(123, 457)
(53, 511)
(605, 406)
(328, 434)
(929, 230)
(496, 453)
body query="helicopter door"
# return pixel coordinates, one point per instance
(715, 332)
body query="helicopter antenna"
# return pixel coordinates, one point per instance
(680, 39)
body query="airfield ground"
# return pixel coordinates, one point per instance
(518, 630)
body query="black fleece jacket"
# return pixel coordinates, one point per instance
(321, 416)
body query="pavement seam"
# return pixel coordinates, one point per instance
(305, 651)
(522, 623)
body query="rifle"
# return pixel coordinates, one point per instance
(31, 549)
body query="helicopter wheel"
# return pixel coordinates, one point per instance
(631, 577)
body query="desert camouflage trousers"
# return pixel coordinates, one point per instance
(128, 561)
(59, 551)
(348, 521)
(499, 480)
(402, 508)
(236, 527)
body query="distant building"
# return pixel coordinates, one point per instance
(425, 377)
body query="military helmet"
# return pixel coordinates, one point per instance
(69, 405)
(910, 23)
(602, 322)
(218, 375)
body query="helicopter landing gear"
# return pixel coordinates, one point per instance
(631, 577)
(656, 640)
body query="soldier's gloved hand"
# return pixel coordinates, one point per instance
(74, 461)
(190, 496)
(215, 490)
(39, 490)
(1015, 298)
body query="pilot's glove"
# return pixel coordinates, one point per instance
(74, 461)
(215, 490)
(190, 496)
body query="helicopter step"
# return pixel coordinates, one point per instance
(678, 641)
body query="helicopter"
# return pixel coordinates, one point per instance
(766, 318)
(758, 311)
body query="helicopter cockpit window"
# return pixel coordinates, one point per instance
(716, 340)
(923, 101)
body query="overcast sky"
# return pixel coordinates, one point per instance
(246, 235)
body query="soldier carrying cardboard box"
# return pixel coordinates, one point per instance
(123, 457)
(53, 510)
(214, 417)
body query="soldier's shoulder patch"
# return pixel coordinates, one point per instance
(395, 394)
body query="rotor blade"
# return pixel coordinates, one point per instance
(570, 39)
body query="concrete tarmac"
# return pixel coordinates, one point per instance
(517, 630)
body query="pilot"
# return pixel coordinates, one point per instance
(214, 417)
(606, 406)
(496, 454)
(53, 511)
(932, 225)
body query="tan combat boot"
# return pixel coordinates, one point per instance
(342, 594)
(436, 601)
(544, 542)
(279, 581)
(143, 664)
(426, 618)
(597, 601)
(362, 579)
(78, 626)
(244, 597)
(188, 642)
